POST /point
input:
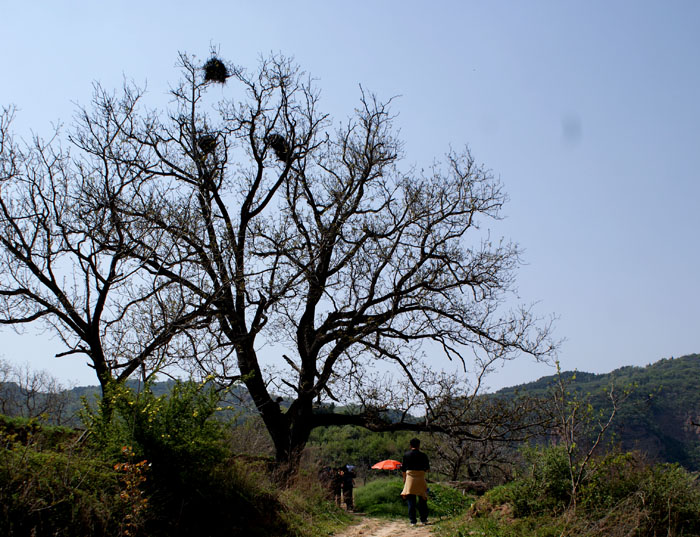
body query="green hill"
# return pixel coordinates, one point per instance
(659, 416)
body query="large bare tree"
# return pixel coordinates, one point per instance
(330, 273)
(317, 267)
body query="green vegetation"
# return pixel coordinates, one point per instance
(624, 495)
(658, 416)
(355, 445)
(382, 498)
(176, 460)
(152, 466)
(53, 490)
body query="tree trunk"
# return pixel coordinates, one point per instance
(291, 442)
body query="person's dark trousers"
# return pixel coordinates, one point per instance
(348, 499)
(422, 508)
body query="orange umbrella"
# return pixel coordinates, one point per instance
(388, 464)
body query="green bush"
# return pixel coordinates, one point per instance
(614, 479)
(447, 502)
(163, 471)
(175, 429)
(658, 499)
(192, 484)
(550, 477)
(383, 498)
(623, 496)
(34, 431)
(50, 493)
(544, 487)
(670, 498)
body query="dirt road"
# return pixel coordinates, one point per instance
(378, 527)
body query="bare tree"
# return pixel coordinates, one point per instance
(30, 393)
(312, 240)
(253, 222)
(480, 434)
(57, 211)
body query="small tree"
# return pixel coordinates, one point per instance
(579, 427)
(480, 434)
(31, 394)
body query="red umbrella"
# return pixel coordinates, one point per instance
(388, 464)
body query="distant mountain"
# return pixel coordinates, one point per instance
(660, 415)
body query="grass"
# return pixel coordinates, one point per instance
(382, 498)
(306, 509)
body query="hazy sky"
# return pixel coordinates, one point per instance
(588, 112)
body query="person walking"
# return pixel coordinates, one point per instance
(337, 485)
(415, 487)
(348, 484)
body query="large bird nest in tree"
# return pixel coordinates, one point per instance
(280, 146)
(206, 143)
(215, 71)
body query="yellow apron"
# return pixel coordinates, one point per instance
(415, 483)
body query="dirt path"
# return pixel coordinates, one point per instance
(378, 527)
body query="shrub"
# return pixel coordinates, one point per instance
(50, 493)
(48, 487)
(614, 479)
(629, 493)
(307, 510)
(544, 487)
(383, 498)
(670, 498)
(623, 496)
(446, 502)
(193, 485)
(31, 430)
(174, 429)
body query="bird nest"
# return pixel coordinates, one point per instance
(215, 71)
(279, 145)
(206, 143)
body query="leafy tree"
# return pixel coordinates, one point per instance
(274, 226)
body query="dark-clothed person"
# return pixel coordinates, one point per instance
(415, 488)
(337, 485)
(348, 484)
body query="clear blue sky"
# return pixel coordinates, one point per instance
(588, 112)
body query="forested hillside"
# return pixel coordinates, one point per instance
(660, 416)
